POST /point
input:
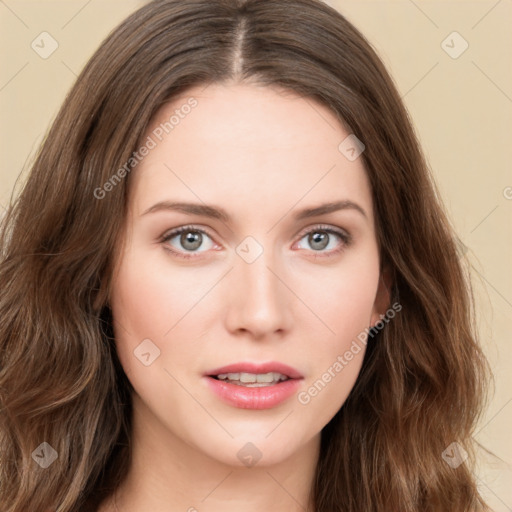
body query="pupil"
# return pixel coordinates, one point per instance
(319, 240)
(191, 240)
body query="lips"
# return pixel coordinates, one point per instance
(244, 394)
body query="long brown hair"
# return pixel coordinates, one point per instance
(423, 380)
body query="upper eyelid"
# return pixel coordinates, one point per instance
(323, 227)
(190, 227)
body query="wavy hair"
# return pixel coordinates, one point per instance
(423, 381)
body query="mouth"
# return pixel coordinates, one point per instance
(255, 374)
(252, 380)
(253, 385)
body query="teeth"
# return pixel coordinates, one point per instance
(253, 379)
(230, 376)
(248, 377)
(265, 377)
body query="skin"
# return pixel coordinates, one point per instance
(262, 154)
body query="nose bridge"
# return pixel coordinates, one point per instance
(259, 303)
(261, 283)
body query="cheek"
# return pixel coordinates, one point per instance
(340, 297)
(343, 308)
(141, 300)
(336, 360)
(323, 395)
(146, 301)
(163, 303)
(150, 294)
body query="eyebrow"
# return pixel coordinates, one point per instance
(220, 214)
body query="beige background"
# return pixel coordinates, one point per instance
(461, 107)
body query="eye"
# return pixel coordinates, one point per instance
(187, 239)
(324, 240)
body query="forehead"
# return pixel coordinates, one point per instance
(252, 117)
(247, 145)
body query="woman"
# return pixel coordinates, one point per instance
(229, 283)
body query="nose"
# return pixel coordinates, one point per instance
(259, 303)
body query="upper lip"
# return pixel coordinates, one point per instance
(257, 368)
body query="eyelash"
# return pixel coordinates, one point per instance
(346, 240)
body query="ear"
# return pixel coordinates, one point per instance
(383, 295)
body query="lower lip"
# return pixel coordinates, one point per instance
(264, 397)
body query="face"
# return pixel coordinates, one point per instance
(250, 251)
